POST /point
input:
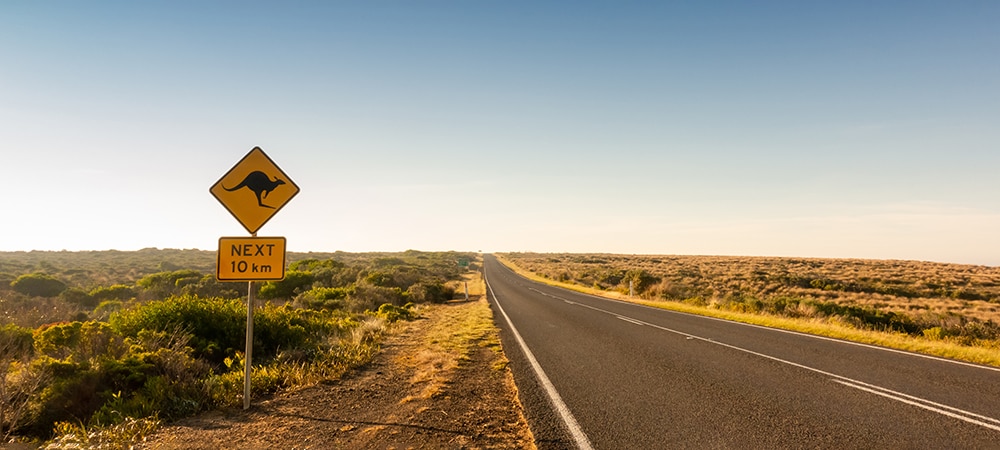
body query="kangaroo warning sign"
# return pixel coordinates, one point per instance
(254, 190)
(251, 259)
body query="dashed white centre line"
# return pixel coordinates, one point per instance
(631, 320)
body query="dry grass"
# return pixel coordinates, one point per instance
(949, 303)
(458, 327)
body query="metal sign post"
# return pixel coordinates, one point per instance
(249, 351)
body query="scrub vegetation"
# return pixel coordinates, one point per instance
(100, 347)
(930, 307)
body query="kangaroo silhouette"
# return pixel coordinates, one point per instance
(261, 185)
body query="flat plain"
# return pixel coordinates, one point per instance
(952, 303)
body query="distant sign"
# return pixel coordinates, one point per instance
(251, 259)
(254, 190)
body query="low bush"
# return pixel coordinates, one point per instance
(217, 326)
(429, 292)
(115, 292)
(79, 297)
(324, 298)
(104, 310)
(284, 328)
(38, 285)
(368, 297)
(16, 343)
(20, 381)
(394, 313)
(164, 284)
(294, 283)
(101, 377)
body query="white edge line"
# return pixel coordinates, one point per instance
(575, 430)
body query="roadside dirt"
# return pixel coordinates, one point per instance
(407, 397)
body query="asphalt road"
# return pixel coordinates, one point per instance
(597, 373)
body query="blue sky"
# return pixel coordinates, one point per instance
(827, 129)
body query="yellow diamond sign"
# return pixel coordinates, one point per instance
(254, 190)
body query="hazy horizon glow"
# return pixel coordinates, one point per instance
(774, 128)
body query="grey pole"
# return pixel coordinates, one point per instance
(247, 362)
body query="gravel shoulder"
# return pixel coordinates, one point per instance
(440, 381)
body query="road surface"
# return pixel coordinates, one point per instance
(605, 374)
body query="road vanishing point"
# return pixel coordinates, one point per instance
(607, 374)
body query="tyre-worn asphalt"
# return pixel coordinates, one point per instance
(637, 377)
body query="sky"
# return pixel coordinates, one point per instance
(854, 129)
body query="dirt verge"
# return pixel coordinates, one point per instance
(440, 381)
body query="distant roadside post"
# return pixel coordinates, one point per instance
(464, 262)
(253, 191)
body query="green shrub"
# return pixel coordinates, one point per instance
(277, 328)
(315, 265)
(74, 394)
(384, 275)
(294, 283)
(393, 313)
(367, 297)
(19, 381)
(430, 291)
(640, 278)
(284, 330)
(610, 277)
(5, 280)
(38, 285)
(57, 340)
(104, 310)
(378, 278)
(217, 326)
(103, 378)
(82, 360)
(16, 342)
(78, 297)
(164, 284)
(115, 292)
(208, 287)
(324, 298)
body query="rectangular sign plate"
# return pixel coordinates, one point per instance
(251, 259)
